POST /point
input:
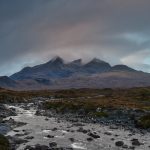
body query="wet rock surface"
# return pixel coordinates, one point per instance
(30, 130)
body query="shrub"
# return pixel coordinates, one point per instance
(4, 143)
(100, 114)
(144, 122)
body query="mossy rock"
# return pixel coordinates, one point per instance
(4, 143)
(144, 122)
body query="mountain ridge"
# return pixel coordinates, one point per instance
(56, 65)
(56, 73)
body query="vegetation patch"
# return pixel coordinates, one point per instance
(87, 99)
(4, 143)
(87, 107)
(144, 122)
(100, 114)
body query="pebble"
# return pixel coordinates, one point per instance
(95, 136)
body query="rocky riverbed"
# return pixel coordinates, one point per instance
(31, 128)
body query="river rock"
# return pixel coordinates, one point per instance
(119, 143)
(135, 142)
(72, 139)
(95, 136)
(53, 144)
(29, 137)
(54, 129)
(37, 147)
(41, 147)
(89, 139)
(108, 133)
(82, 130)
(50, 136)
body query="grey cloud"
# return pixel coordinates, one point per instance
(33, 31)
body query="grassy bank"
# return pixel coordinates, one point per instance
(139, 95)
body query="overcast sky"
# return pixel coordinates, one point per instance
(34, 31)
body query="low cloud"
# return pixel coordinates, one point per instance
(139, 60)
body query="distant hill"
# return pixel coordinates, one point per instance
(56, 74)
(7, 82)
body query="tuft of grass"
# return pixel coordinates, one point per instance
(100, 114)
(144, 122)
(4, 143)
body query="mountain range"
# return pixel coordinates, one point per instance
(56, 74)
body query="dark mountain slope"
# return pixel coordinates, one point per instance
(96, 66)
(56, 68)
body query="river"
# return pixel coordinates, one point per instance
(43, 131)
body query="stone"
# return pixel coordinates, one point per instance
(82, 130)
(95, 136)
(135, 142)
(41, 147)
(29, 137)
(50, 136)
(46, 119)
(89, 139)
(107, 133)
(53, 144)
(119, 143)
(16, 130)
(72, 139)
(112, 139)
(54, 129)
(125, 146)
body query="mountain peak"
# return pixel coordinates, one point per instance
(56, 60)
(77, 62)
(97, 65)
(96, 60)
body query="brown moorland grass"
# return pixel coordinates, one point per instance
(130, 98)
(87, 99)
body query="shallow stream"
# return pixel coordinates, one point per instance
(42, 130)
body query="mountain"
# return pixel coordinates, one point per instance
(56, 74)
(96, 66)
(55, 68)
